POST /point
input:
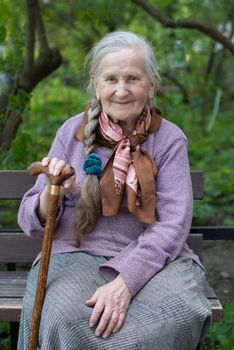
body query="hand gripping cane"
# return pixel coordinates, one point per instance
(55, 184)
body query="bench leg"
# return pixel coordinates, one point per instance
(14, 332)
(198, 347)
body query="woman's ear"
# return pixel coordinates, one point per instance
(95, 86)
(151, 89)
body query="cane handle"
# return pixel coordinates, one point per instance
(37, 168)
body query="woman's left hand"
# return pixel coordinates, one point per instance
(110, 303)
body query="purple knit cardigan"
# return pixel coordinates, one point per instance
(137, 250)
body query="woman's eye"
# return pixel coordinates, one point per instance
(110, 79)
(134, 78)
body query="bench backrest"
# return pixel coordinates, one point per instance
(14, 183)
(15, 246)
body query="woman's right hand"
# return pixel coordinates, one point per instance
(55, 167)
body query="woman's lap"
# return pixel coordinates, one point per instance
(173, 305)
(168, 313)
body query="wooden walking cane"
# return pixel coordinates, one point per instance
(55, 184)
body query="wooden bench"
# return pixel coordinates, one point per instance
(16, 248)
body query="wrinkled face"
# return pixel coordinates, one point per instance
(122, 85)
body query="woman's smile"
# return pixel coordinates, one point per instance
(120, 103)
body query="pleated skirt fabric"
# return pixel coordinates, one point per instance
(171, 312)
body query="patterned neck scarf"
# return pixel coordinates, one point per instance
(137, 178)
(129, 168)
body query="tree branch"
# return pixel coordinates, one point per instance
(179, 85)
(210, 62)
(41, 33)
(206, 29)
(30, 35)
(48, 60)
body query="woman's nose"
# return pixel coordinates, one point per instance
(121, 89)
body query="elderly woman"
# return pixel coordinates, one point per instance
(121, 275)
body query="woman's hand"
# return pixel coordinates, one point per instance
(55, 167)
(110, 303)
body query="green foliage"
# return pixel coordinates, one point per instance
(21, 152)
(212, 153)
(4, 334)
(17, 102)
(221, 336)
(11, 35)
(51, 104)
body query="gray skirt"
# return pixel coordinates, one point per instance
(171, 312)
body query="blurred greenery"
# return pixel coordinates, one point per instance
(221, 336)
(196, 91)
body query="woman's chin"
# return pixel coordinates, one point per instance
(123, 117)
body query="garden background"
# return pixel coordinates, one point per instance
(43, 45)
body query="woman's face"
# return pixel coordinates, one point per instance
(123, 86)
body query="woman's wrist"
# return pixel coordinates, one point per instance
(122, 283)
(43, 204)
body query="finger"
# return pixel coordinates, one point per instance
(105, 319)
(90, 302)
(97, 311)
(45, 161)
(111, 325)
(52, 164)
(120, 322)
(56, 166)
(93, 298)
(68, 183)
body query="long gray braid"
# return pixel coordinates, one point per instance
(91, 126)
(89, 206)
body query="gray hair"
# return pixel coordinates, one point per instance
(113, 42)
(89, 206)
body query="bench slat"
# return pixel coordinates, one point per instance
(15, 183)
(10, 309)
(195, 242)
(13, 275)
(217, 310)
(12, 284)
(210, 293)
(12, 291)
(198, 184)
(17, 247)
(10, 306)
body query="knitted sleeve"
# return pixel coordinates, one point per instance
(162, 241)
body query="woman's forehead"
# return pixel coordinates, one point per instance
(125, 60)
